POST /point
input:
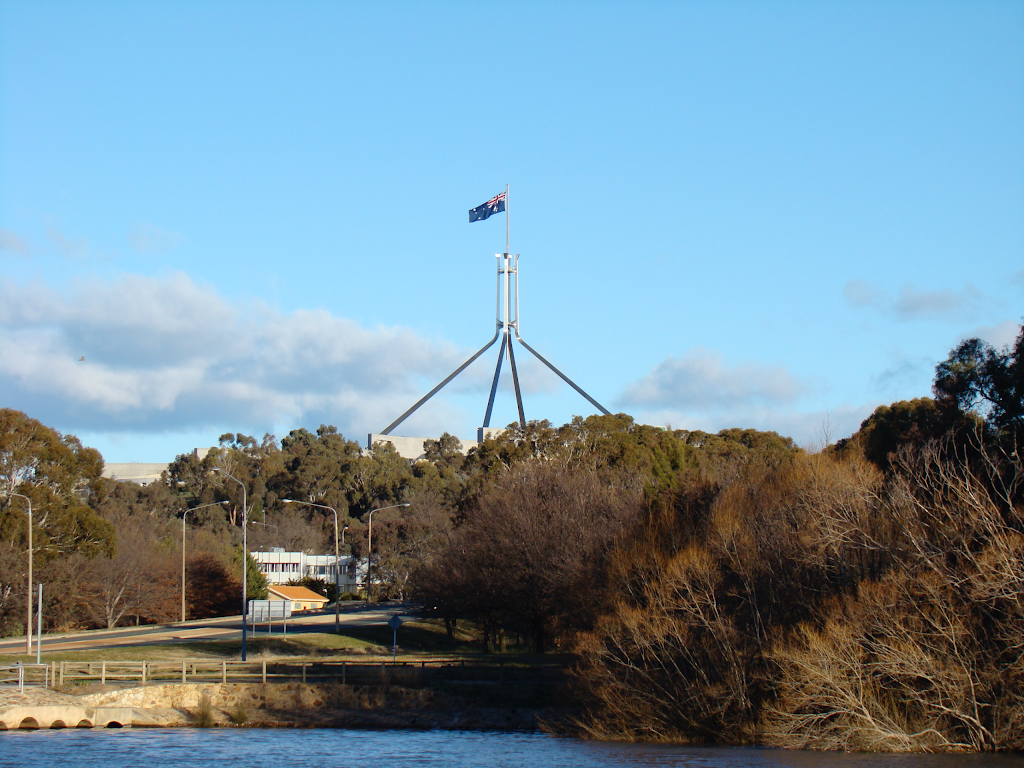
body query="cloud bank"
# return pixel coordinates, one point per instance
(142, 354)
(151, 239)
(701, 391)
(911, 303)
(11, 241)
(701, 381)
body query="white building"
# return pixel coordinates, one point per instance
(280, 567)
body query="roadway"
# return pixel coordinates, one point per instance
(223, 628)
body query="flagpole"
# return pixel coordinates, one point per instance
(506, 218)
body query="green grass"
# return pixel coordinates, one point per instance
(419, 639)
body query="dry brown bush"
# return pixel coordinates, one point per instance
(928, 657)
(822, 605)
(530, 555)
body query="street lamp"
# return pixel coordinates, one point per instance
(369, 542)
(28, 624)
(337, 561)
(201, 506)
(245, 556)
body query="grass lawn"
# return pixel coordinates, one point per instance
(418, 640)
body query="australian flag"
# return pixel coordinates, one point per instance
(495, 205)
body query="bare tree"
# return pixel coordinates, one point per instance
(530, 554)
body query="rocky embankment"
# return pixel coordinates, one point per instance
(266, 705)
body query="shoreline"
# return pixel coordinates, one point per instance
(262, 705)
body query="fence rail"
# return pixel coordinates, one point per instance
(345, 672)
(21, 675)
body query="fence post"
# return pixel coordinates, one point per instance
(224, 672)
(184, 670)
(264, 672)
(103, 673)
(62, 672)
(343, 670)
(303, 672)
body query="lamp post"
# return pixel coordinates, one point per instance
(245, 556)
(337, 561)
(28, 624)
(369, 542)
(184, 515)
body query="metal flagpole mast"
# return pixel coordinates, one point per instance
(508, 311)
(506, 326)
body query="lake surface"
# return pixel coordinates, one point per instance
(254, 748)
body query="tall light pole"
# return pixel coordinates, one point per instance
(193, 509)
(369, 542)
(337, 560)
(245, 556)
(28, 624)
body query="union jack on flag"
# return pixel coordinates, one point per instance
(495, 205)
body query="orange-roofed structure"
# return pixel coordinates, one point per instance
(302, 599)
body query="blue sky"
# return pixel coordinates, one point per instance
(252, 216)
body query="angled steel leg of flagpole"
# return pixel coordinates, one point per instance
(494, 383)
(515, 382)
(564, 378)
(438, 388)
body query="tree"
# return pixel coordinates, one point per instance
(318, 468)
(139, 579)
(57, 473)
(529, 555)
(407, 539)
(976, 376)
(255, 581)
(213, 589)
(445, 451)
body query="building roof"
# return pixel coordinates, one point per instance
(297, 593)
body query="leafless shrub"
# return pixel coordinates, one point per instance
(928, 657)
(823, 605)
(530, 554)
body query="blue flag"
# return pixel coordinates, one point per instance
(495, 205)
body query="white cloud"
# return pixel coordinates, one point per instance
(810, 429)
(10, 241)
(148, 238)
(998, 335)
(903, 374)
(170, 355)
(77, 249)
(701, 381)
(700, 391)
(911, 303)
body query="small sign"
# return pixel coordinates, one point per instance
(395, 622)
(269, 610)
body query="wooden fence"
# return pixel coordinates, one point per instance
(410, 674)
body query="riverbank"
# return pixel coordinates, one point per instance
(280, 705)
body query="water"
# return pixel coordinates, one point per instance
(254, 748)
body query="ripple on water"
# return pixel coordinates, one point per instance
(277, 748)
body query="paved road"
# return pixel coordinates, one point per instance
(225, 628)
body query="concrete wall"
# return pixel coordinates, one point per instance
(411, 448)
(134, 472)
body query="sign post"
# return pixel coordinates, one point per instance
(394, 622)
